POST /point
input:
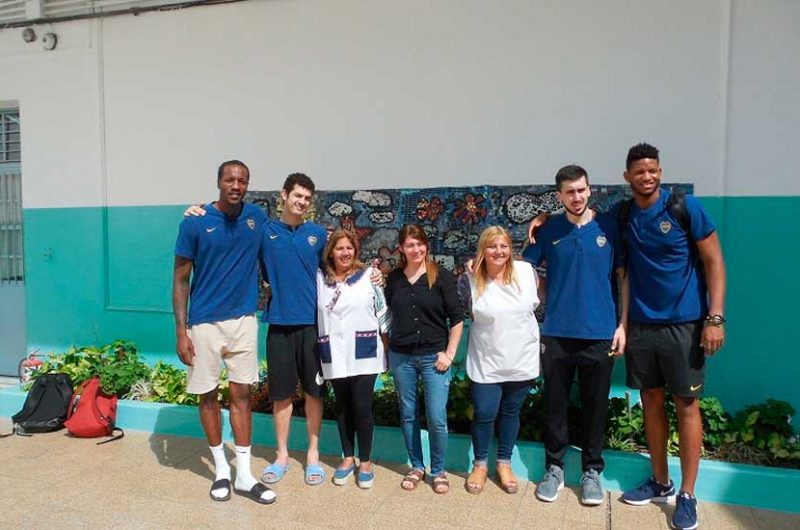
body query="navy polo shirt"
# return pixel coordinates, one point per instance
(581, 287)
(291, 257)
(666, 285)
(224, 254)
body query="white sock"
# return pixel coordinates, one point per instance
(244, 477)
(221, 469)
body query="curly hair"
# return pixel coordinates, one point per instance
(639, 152)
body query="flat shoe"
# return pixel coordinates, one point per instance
(342, 474)
(440, 484)
(508, 482)
(256, 492)
(476, 480)
(315, 475)
(412, 479)
(274, 473)
(218, 485)
(366, 479)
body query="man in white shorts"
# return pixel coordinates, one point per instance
(219, 252)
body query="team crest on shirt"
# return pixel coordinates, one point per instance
(312, 240)
(601, 241)
(251, 223)
(665, 226)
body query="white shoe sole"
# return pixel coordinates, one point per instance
(341, 481)
(670, 499)
(592, 502)
(549, 499)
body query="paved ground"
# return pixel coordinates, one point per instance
(159, 482)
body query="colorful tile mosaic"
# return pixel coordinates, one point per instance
(453, 217)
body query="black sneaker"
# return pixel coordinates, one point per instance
(685, 516)
(650, 491)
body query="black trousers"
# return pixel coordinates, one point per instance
(561, 359)
(354, 413)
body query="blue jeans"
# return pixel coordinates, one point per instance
(501, 402)
(407, 370)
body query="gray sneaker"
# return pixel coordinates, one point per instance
(551, 484)
(591, 490)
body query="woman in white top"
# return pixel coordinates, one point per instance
(352, 325)
(503, 353)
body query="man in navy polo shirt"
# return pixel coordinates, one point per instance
(292, 252)
(219, 252)
(677, 287)
(581, 332)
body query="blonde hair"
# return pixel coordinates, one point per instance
(481, 274)
(327, 258)
(416, 232)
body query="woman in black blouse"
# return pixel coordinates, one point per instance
(427, 327)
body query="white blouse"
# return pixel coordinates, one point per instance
(351, 315)
(504, 336)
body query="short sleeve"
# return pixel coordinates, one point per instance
(533, 253)
(701, 224)
(186, 245)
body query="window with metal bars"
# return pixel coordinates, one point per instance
(10, 146)
(11, 266)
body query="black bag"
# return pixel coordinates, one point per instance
(46, 405)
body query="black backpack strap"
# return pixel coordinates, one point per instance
(677, 207)
(121, 434)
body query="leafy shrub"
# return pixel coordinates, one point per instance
(759, 434)
(765, 428)
(168, 385)
(117, 364)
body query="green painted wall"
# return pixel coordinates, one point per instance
(84, 287)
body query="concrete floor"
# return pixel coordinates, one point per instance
(159, 482)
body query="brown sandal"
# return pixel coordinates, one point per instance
(476, 479)
(508, 482)
(440, 484)
(412, 479)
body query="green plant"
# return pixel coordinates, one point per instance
(533, 416)
(121, 367)
(386, 403)
(117, 364)
(766, 427)
(169, 385)
(625, 425)
(460, 410)
(715, 423)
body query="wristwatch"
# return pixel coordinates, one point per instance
(715, 320)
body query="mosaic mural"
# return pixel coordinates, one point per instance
(453, 217)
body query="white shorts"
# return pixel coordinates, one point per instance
(233, 341)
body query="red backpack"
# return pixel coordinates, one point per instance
(93, 413)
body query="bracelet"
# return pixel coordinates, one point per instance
(715, 320)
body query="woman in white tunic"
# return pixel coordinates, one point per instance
(503, 352)
(352, 324)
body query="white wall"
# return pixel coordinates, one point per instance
(380, 93)
(764, 99)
